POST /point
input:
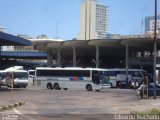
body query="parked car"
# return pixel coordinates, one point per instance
(142, 90)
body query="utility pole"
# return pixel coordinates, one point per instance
(155, 49)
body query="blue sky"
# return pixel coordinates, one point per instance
(35, 17)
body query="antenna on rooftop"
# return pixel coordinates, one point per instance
(56, 31)
(142, 26)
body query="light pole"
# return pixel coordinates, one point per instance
(155, 49)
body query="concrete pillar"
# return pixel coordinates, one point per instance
(97, 56)
(74, 56)
(127, 65)
(49, 59)
(59, 57)
(158, 76)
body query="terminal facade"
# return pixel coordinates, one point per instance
(100, 53)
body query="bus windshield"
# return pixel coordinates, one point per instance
(100, 77)
(21, 75)
(2, 76)
(104, 78)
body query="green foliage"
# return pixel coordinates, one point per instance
(153, 111)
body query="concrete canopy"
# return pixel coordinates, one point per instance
(76, 43)
(108, 47)
(110, 43)
(112, 50)
(55, 44)
(82, 47)
(141, 43)
(9, 40)
(41, 44)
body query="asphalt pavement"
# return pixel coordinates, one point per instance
(74, 104)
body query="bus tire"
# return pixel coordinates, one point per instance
(89, 87)
(65, 88)
(56, 86)
(49, 86)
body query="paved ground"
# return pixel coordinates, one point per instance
(73, 103)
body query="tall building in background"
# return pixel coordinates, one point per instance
(149, 24)
(93, 20)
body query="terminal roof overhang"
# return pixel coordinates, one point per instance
(141, 43)
(107, 46)
(11, 40)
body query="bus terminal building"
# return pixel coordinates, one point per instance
(136, 52)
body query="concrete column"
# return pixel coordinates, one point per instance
(97, 56)
(127, 65)
(59, 57)
(49, 59)
(74, 56)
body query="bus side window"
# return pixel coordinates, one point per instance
(136, 74)
(111, 73)
(122, 72)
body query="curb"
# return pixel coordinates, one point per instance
(10, 106)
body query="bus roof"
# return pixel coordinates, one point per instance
(15, 71)
(31, 70)
(14, 68)
(69, 68)
(124, 69)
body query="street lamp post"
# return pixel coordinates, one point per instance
(155, 49)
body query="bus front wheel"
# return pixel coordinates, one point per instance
(65, 88)
(89, 88)
(56, 86)
(49, 86)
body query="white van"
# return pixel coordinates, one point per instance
(20, 78)
(17, 75)
(133, 74)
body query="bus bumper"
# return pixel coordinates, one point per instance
(105, 86)
(20, 85)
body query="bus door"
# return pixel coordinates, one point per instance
(95, 77)
(9, 79)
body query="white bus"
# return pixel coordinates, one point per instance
(133, 74)
(18, 75)
(72, 78)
